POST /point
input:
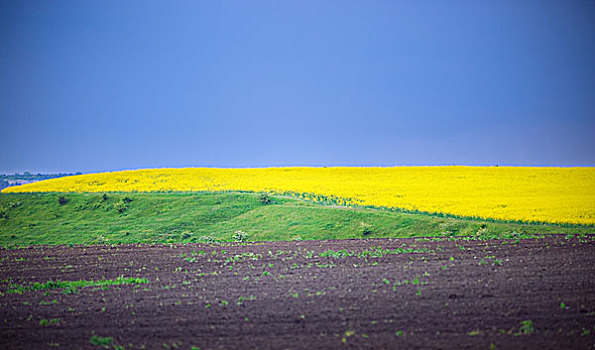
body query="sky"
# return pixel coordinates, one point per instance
(97, 86)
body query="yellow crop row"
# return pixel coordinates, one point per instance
(559, 195)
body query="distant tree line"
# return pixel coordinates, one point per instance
(7, 180)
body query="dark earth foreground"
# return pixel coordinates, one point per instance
(409, 294)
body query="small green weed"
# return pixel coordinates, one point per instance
(46, 322)
(193, 255)
(243, 257)
(105, 342)
(474, 332)
(526, 327)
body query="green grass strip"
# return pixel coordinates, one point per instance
(58, 284)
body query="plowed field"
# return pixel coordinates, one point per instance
(376, 293)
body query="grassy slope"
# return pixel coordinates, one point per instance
(189, 217)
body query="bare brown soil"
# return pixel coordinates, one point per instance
(530, 294)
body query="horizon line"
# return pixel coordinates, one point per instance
(295, 166)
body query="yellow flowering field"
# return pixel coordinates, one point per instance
(557, 195)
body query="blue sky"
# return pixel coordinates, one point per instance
(106, 85)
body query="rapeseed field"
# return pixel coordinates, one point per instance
(530, 194)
